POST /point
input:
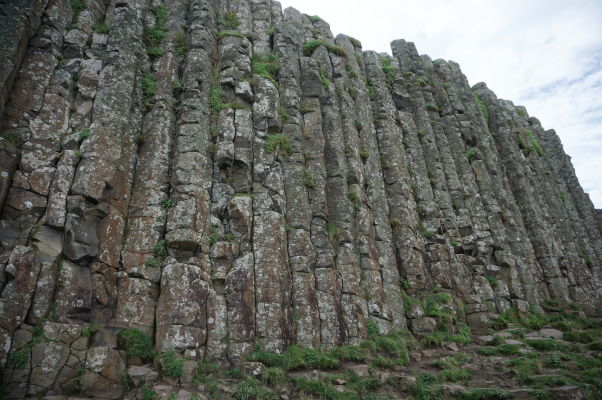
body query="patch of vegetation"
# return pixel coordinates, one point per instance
(148, 84)
(171, 364)
(83, 135)
(547, 345)
(126, 382)
(324, 79)
(102, 28)
(364, 154)
(371, 89)
(148, 393)
(351, 72)
(501, 350)
(14, 138)
(521, 112)
(455, 374)
(78, 6)
(387, 67)
(305, 110)
(395, 223)
(437, 338)
(265, 65)
(355, 42)
(159, 253)
(136, 343)
(482, 106)
(424, 232)
(530, 321)
(384, 163)
(272, 376)
(333, 232)
(492, 281)
(534, 143)
(215, 236)
(18, 359)
(310, 46)
(154, 35)
(321, 389)
(167, 203)
(352, 92)
(278, 141)
(432, 107)
(90, 330)
(225, 33)
(422, 389)
(216, 98)
(282, 114)
(181, 45)
(471, 153)
(308, 179)
(296, 357)
(484, 394)
(313, 18)
(230, 20)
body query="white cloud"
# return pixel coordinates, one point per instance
(544, 54)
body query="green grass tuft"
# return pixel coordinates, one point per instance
(136, 343)
(230, 20)
(171, 364)
(310, 46)
(14, 138)
(278, 141)
(265, 65)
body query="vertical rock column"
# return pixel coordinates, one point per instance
(182, 312)
(303, 176)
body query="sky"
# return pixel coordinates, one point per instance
(543, 54)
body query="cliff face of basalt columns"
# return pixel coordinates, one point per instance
(219, 174)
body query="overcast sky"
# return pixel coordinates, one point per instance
(543, 54)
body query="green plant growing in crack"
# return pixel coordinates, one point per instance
(171, 364)
(534, 143)
(310, 46)
(102, 27)
(14, 138)
(387, 67)
(19, 358)
(230, 20)
(83, 134)
(308, 179)
(355, 200)
(148, 84)
(167, 203)
(153, 36)
(265, 65)
(180, 42)
(136, 343)
(324, 79)
(471, 154)
(278, 141)
(482, 106)
(78, 6)
(333, 232)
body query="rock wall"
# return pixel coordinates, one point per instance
(219, 174)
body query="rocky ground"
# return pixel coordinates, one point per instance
(556, 356)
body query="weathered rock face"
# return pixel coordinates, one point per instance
(218, 174)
